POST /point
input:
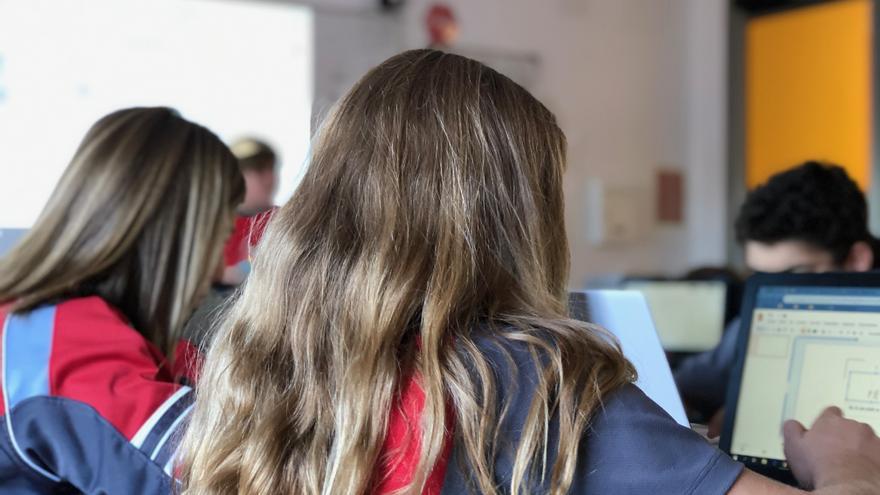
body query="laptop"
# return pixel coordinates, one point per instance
(806, 342)
(689, 315)
(625, 314)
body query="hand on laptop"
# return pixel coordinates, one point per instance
(835, 453)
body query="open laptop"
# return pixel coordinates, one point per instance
(625, 314)
(689, 315)
(806, 342)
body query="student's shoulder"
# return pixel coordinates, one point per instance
(92, 320)
(99, 359)
(631, 446)
(91, 309)
(87, 326)
(87, 383)
(516, 355)
(634, 446)
(496, 340)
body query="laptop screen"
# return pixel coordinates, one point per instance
(808, 348)
(689, 315)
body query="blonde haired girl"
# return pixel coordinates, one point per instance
(405, 327)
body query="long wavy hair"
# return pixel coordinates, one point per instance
(139, 217)
(432, 208)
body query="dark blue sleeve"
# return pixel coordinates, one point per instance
(702, 378)
(73, 444)
(635, 447)
(631, 447)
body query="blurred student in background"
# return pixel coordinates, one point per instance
(259, 165)
(406, 323)
(93, 300)
(812, 218)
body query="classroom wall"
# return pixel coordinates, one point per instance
(636, 85)
(348, 42)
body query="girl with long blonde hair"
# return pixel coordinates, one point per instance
(93, 300)
(405, 326)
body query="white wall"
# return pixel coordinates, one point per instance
(636, 84)
(706, 133)
(348, 42)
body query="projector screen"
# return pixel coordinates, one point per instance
(239, 67)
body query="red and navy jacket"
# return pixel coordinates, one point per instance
(632, 446)
(88, 405)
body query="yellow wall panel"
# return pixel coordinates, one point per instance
(808, 89)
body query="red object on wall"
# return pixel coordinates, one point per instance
(442, 25)
(670, 196)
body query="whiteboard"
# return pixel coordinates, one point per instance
(238, 67)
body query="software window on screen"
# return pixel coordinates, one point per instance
(808, 348)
